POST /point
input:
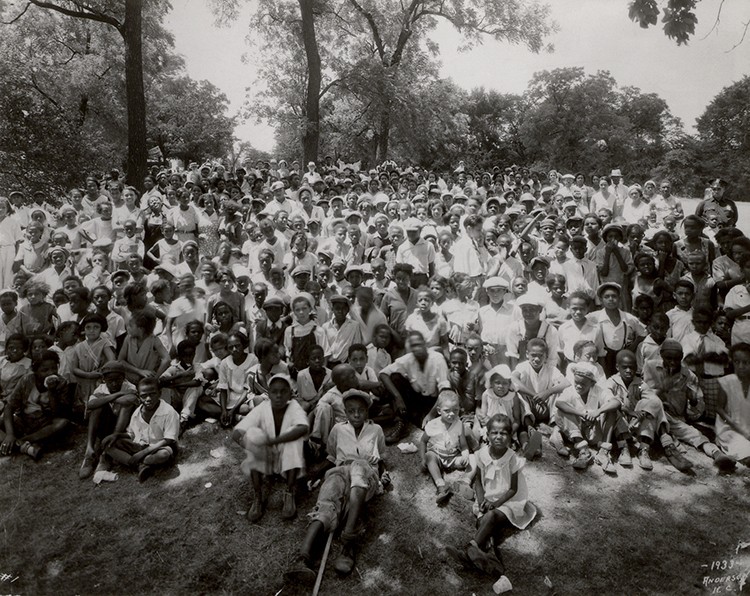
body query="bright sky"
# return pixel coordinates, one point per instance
(595, 34)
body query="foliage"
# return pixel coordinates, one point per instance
(724, 133)
(57, 89)
(378, 61)
(569, 112)
(187, 119)
(62, 90)
(678, 17)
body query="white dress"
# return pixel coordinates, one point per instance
(738, 409)
(496, 478)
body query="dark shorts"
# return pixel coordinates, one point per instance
(131, 448)
(26, 425)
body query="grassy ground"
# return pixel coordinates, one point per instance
(185, 531)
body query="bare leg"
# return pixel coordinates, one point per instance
(257, 479)
(488, 524)
(93, 426)
(433, 467)
(356, 502)
(291, 479)
(158, 458)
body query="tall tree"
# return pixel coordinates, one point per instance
(314, 77)
(569, 112)
(396, 31)
(724, 134)
(127, 20)
(187, 119)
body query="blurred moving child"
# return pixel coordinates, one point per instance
(273, 436)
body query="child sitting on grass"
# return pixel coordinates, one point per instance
(273, 435)
(499, 399)
(14, 365)
(179, 379)
(443, 446)
(232, 386)
(538, 381)
(113, 400)
(641, 418)
(586, 416)
(150, 440)
(313, 381)
(204, 399)
(501, 499)
(88, 357)
(37, 411)
(355, 473)
(330, 408)
(680, 392)
(733, 415)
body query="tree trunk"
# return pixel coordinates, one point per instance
(314, 77)
(135, 96)
(384, 134)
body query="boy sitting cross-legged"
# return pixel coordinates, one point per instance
(150, 441)
(586, 417)
(355, 473)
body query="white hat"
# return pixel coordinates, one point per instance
(279, 185)
(496, 282)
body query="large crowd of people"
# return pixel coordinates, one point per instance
(323, 313)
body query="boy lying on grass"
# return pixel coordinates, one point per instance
(354, 475)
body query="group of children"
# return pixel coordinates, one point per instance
(492, 335)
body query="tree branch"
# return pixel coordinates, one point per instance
(373, 27)
(92, 15)
(18, 16)
(325, 89)
(39, 90)
(739, 43)
(716, 22)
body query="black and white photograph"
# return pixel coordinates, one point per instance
(376, 297)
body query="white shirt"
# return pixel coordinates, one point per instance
(164, 424)
(428, 380)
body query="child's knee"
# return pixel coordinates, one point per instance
(60, 424)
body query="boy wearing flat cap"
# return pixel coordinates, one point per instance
(114, 399)
(354, 474)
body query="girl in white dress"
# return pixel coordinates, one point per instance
(733, 415)
(501, 498)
